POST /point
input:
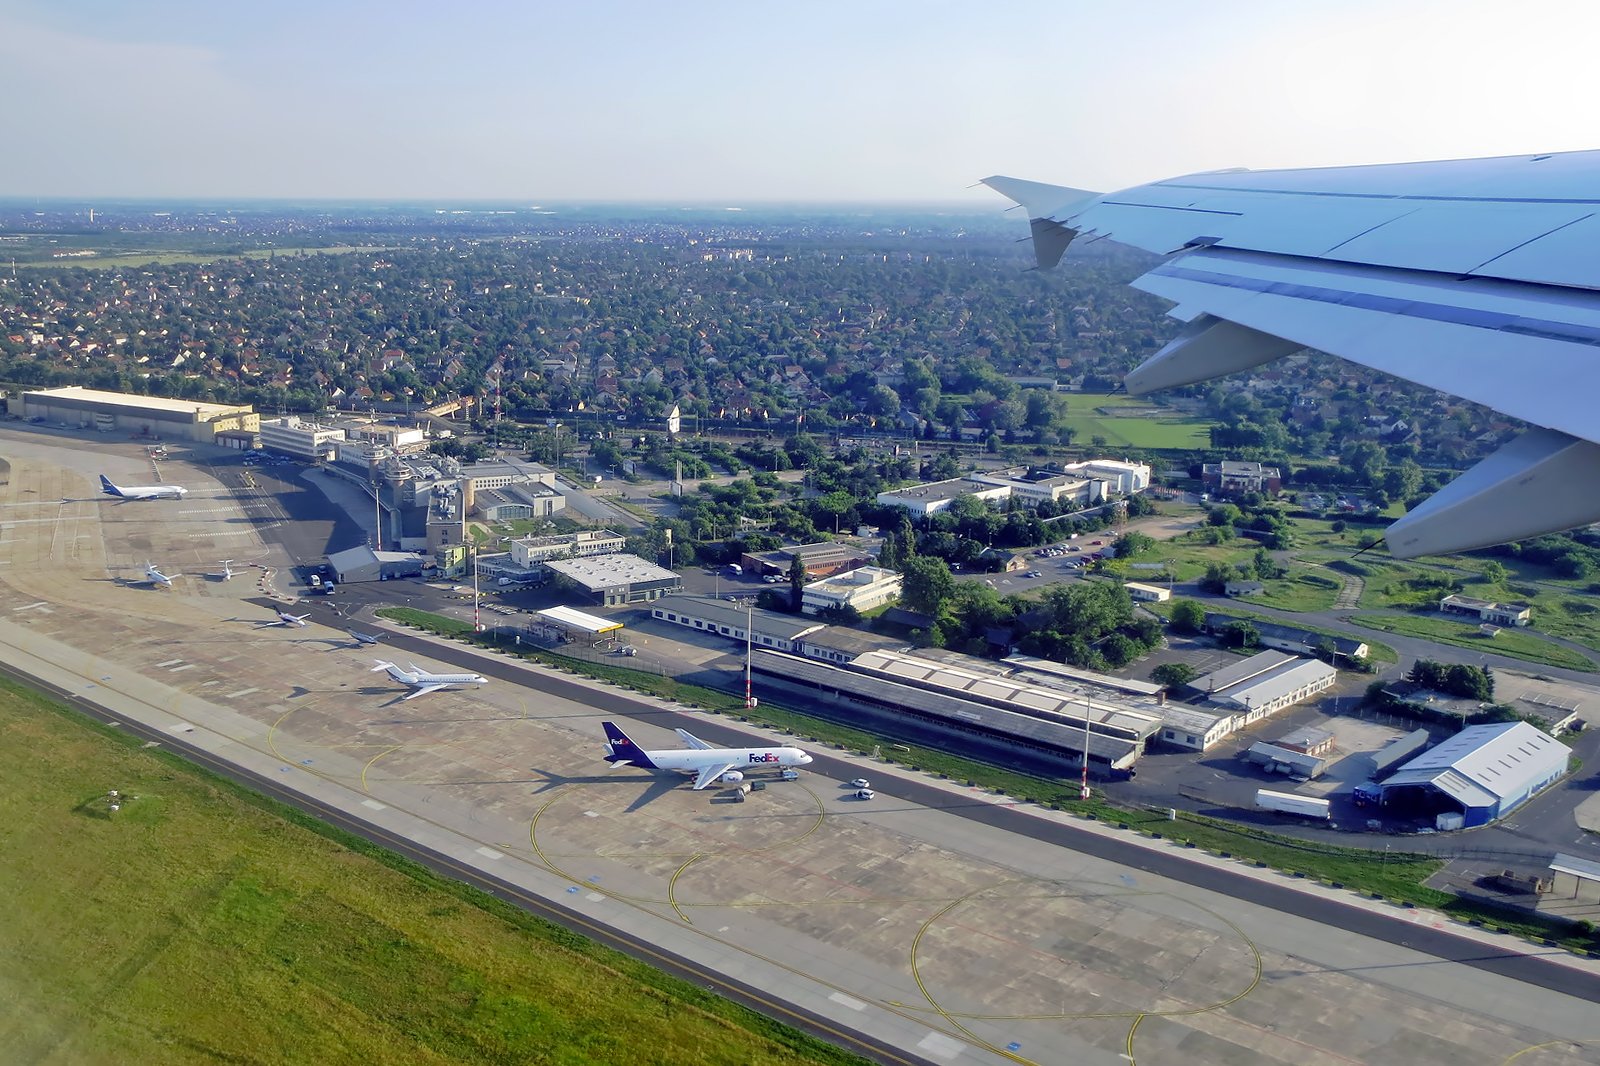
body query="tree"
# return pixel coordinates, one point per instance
(1241, 634)
(1217, 577)
(1134, 543)
(1173, 675)
(797, 583)
(928, 584)
(1188, 616)
(1493, 573)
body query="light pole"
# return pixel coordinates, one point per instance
(749, 627)
(1083, 789)
(477, 626)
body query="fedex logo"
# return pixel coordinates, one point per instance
(763, 757)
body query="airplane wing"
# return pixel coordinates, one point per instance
(710, 774)
(692, 740)
(1476, 277)
(422, 691)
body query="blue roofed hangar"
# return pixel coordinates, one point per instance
(1484, 772)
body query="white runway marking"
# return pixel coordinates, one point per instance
(594, 897)
(490, 853)
(32, 606)
(170, 662)
(943, 1046)
(848, 1001)
(374, 804)
(241, 692)
(180, 669)
(210, 510)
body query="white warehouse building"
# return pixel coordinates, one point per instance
(303, 440)
(864, 588)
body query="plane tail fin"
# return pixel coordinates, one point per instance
(382, 665)
(624, 750)
(108, 488)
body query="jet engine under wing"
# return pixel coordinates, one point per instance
(709, 774)
(1476, 277)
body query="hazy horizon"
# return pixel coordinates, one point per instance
(718, 102)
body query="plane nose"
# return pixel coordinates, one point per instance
(804, 757)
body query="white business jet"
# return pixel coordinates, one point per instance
(423, 682)
(284, 618)
(154, 577)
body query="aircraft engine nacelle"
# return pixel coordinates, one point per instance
(732, 777)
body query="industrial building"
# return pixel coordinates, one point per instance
(1499, 614)
(820, 560)
(1265, 683)
(615, 580)
(935, 496)
(1143, 593)
(862, 589)
(362, 563)
(143, 416)
(990, 727)
(1291, 639)
(1276, 759)
(301, 439)
(1079, 483)
(1034, 487)
(767, 629)
(1233, 477)
(1482, 773)
(530, 551)
(519, 502)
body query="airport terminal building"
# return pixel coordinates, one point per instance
(141, 416)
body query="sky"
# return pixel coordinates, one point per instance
(718, 101)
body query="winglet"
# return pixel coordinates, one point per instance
(1046, 205)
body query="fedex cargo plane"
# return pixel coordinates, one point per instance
(708, 764)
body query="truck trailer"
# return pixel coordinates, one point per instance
(1288, 803)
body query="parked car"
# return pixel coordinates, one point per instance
(864, 793)
(860, 782)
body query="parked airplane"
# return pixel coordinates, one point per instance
(424, 682)
(227, 571)
(708, 764)
(363, 638)
(153, 576)
(286, 619)
(141, 492)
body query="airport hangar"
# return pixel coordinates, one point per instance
(1485, 772)
(142, 416)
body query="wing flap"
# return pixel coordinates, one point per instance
(708, 774)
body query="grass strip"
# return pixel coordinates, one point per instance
(205, 922)
(1513, 643)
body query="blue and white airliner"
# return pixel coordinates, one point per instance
(708, 764)
(141, 492)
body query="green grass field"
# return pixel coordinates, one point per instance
(1305, 589)
(1516, 643)
(1119, 418)
(202, 924)
(123, 260)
